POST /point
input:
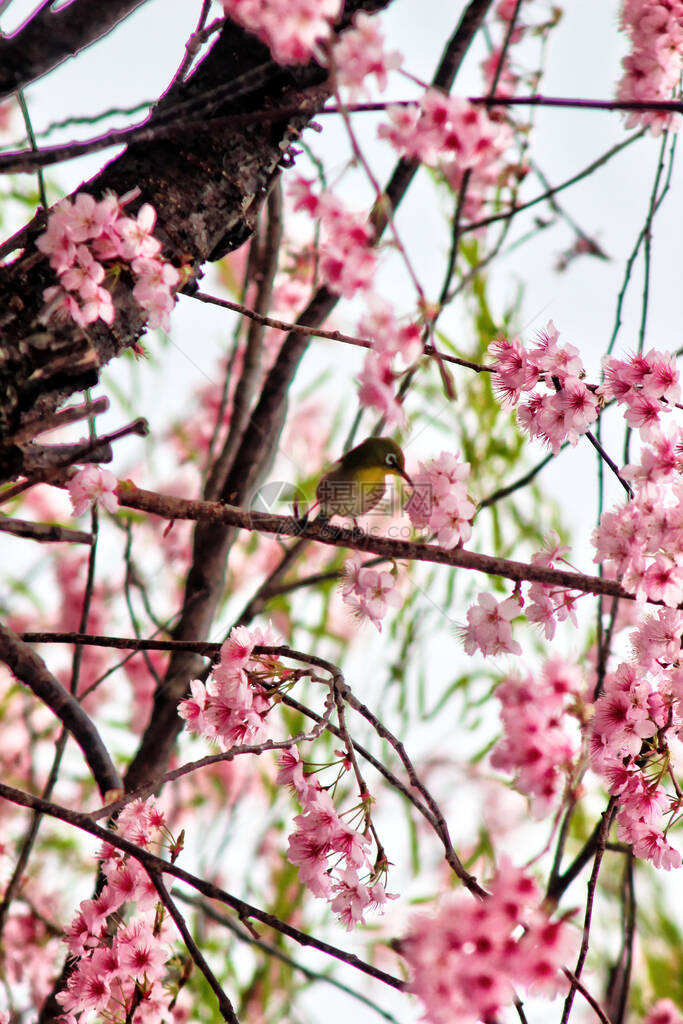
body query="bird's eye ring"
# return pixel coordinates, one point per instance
(390, 459)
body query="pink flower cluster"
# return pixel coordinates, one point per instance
(392, 343)
(538, 748)
(664, 1012)
(567, 408)
(653, 68)
(488, 626)
(291, 29)
(232, 707)
(547, 605)
(635, 736)
(93, 485)
(641, 543)
(489, 621)
(368, 592)
(648, 385)
(360, 52)
(347, 257)
(454, 136)
(331, 856)
(468, 959)
(111, 971)
(82, 236)
(439, 499)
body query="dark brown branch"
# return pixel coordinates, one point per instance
(591, 1000)
(250, 376)
(53, 460)
(149, 861)
(32, 671)
(43, 532)
(620, 975)
(224, 1004)
(664, 106)
(72, 414)
(601, 839)
(244, 935)
(212, 540)
(287, 526)
(319, 332)
(207, 189)
(50, 37)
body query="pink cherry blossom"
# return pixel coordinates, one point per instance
(467, 958)
(232, 707)
(455, 136)
(488, 626)
(293, 30)
(360, 52)
(93, 485)
(540, 742)
(377, 382)
(142, 955)
(439, 500)
(652, 69)
(664, 1011)
(81, 236)
(567, 407)
(369, 592)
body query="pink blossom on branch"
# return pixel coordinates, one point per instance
(539, 745)
(664, 1011)
(454, 136)
(368, 592)
(566, 409)
(293, 30)
(467, 959)
(652, 70)
(84, 234)
(329, 854)
(439, 500)
(232, 707)
(93, 485)
(108, 963)
(488, 626)
(360, 52)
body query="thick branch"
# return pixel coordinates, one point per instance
(206, 187)
(31, 670)
(50, 37)
(43, 532)
(212, 541)
(386, 547)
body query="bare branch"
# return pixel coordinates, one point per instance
(31, 670)
(51, 36)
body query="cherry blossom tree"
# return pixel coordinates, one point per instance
(423, 762)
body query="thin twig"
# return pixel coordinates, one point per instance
(43, 532)
(603, 831)
(224, 1004)
(319, 332)
(243, 935)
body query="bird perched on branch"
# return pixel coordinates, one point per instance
(357, 481)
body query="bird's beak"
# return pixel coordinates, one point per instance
(405, 476)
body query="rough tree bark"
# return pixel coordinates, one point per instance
(207, 177)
